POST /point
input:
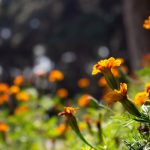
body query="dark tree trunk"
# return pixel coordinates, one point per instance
(138, 39)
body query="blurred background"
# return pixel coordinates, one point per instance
(70, 35)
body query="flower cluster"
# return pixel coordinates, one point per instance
(146, 24)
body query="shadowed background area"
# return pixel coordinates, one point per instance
(70, 35)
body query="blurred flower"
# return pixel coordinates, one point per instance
(14, 89)
(115, 72)
(68, 111)
(141, 98)
(146, 60)
(106, 64)
(148, 87)
(4, 98)
(22, 96)
(19, 80)
(21, 109)
(61, 129)
(82, 126)
(3, 127)
(56, 75)
(102, 82)
(84, 100)
(4, 87)
(146, 24)
(124, 69)
(83, 82)
(62, 93)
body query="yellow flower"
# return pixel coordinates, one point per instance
(116, 95)
(4, 87)
(121, 96)
(146, 24)
(62, 93)
(3, 127)
(21, 109)
(141, 98)
(56, 75)
(19, 80)
(84, 100)
(4, 98)
(68, 111)
(22, 96)
(106, 64)
(83, 82)
(14, 89)
(148, 87)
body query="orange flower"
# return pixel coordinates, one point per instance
(83, 82)
(14, 89)
(116, 95)
(115, 72)
(62, 92)
(19, 80)
(148, 87)
(84, 100)
(4, 98)
(3, 127)
(123, 89)
(56, 75)
(102, 82)
(21, 109)
(22, 96)
(68, 111)
(106, 64)
(146, 24)
(4, 87)
(61, 129)
(141, 98)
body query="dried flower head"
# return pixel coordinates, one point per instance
(68, 111)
